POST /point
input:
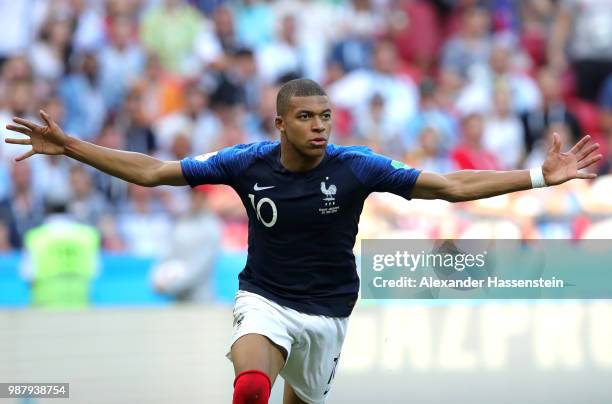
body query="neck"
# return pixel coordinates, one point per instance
(294, 161)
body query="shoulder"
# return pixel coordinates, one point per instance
(358, 155)
(247, 152)
(349, 152)
(360, 159)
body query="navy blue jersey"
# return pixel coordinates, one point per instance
(302, 226)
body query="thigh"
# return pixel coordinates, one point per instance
(289, 396)
(261, 337)
(311, 367)
(257, 352)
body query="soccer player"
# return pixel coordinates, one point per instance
(303, 197)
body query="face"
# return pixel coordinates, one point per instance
(121, 31)
(472, 129)
(430, 141)
(502, 100)
(477, 22)
(80, 181)
(224, 22)
(20, 97)
(196, 100)
(306, 125)
(500, 59)
(549, 85)
(385, 57)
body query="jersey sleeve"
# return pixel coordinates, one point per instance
(379, 173)
(220, 167)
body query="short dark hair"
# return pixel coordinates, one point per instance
(296, 88)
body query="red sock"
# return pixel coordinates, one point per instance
(252, 387)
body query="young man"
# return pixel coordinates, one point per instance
(303, 197)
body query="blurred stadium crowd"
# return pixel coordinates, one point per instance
(441, 85)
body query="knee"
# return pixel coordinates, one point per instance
(252, 387)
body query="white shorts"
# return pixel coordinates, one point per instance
(312, 342)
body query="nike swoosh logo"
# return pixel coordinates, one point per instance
(258, 188)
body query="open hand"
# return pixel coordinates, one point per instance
(561, 167)
(48, 139)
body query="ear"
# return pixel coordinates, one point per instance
(279, 122)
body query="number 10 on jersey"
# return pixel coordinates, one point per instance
(257, 208)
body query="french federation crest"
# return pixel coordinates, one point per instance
(329, 200)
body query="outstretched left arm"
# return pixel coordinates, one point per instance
(468, 185)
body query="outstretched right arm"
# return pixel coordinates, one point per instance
(133, 167)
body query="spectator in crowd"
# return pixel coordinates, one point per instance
(503, 132)
(471, 153)
(260, 121)
(161, 91)
(5, 238)
(143, 224)
(605, 102)
(195, 120)
(360, 23)
(283, 55)
(467, 52)
(224, 29)
(122, 60)
(537, 18)
(82, 95)
(88, 23)
(431, 113)
(398, 91)
(55, 187)
(114, 190)
(552, 109)
(185, 272)
(61, 260)
(134, 123)
(239, 82)
(16, 34)
(504, 68)
(254, 22)
(50, 54)
(23, 209)
(86, 204)
(429, 153)
(417, 31)
(111, 239)
(243, 71)
(170, 29)
(376, 132)
(583, 28)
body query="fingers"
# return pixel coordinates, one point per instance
(20, 129)
(586, 151)
(581, 143)
(586, 176)
(46, 118)
(26, 123)
(26, 155)
(589, 161)
(18, 141)
(556, 145)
